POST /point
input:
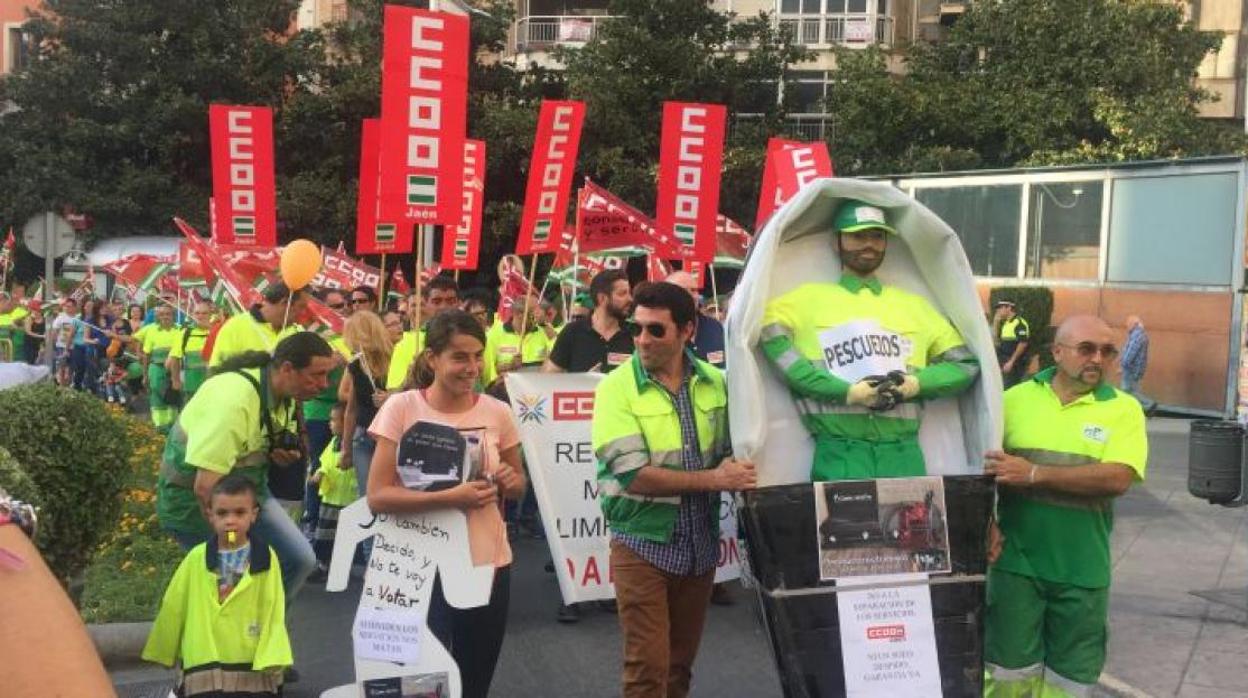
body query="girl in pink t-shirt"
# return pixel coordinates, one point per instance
(454, 349)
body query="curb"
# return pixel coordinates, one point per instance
(119, 642)
(1117, 688)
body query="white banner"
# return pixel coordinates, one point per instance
(554, 411)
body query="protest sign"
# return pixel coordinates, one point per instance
(371, 235)
(244, 195)
(691, 157)
(462, 245)
(341, 271)
(550, 177)
(554, 412)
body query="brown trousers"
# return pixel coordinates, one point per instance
(661, 619)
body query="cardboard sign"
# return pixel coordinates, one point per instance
(431, 453)
(424, 105)
(243, 191)
(691, 156)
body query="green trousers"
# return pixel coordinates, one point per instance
(855, 459)
(192, 378)
(1041, 638)
(163, 413)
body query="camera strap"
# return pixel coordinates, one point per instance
(266, 419)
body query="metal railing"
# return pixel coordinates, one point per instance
(842, 29)
(539, 32)
(806, 127)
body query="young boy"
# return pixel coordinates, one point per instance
(223, 614)
(337, 488)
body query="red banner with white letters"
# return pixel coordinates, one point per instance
(550, 178)
(605, 222)
(243, 190)
(790, 166)
(424, 115)
(341, 271)
(461, 243)
(371, 235)
(691, 156)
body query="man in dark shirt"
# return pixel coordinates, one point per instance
(600, 342)
(708, 338)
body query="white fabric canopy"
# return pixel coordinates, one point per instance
(797, 246)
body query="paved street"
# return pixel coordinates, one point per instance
(1164, 641)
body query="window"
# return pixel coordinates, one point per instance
(17, 48)
(986, 221)
(1064, 230)
(1178, 229)
(805, 91)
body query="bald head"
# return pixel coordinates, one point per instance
(1083, 349)
(1083, 328)
(686, 281)
(1134, 321)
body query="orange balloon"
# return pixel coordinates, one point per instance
(301, 261)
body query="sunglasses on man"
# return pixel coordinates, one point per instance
(656, 330)
(1087, 350)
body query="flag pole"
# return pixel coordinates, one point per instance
(528, 295)
(714, 289)
(381, 285)
(420, 291)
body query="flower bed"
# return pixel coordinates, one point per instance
(134, 562)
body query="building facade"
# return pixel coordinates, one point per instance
(15, 48)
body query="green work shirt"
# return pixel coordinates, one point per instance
(218, 430)
(243, 333)
(1060, 537)
(158, 343)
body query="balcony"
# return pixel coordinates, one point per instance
(803, 127)
(542, 32)
(839, 30)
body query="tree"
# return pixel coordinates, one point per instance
(111, 117)
(682, 50)
(1031, 82)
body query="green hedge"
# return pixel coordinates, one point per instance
(19, 485)
(76, 452)
(1035, 304)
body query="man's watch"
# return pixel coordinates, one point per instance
(13, 511)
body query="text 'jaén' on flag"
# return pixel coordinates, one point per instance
(424, 120)
(372, 235)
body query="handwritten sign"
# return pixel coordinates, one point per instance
(409, 552)
(862, 348)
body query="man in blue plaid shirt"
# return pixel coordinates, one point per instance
(660, 433)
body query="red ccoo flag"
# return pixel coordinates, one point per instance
(691, 159)
(244, 197)
(550, 177)
(461, 243)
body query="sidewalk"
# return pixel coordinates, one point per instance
(1166, 543)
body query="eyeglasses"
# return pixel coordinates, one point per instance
(358, 301)
(1087, 350)
(656, 330)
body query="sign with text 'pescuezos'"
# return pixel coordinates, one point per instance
(550, 178)
(371, 235)
(424, 103)
(691, 156)
(243, 192)
(461, 245)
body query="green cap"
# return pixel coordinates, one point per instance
(854, 216)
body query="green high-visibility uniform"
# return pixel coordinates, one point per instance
(190, 352)
(219, 430)
(503, 344)
(247, 332)
(15, 336)
(239, 645)
(157, 344)
(635, 424)
(1045, 627)
(853, 442)
(404, 355)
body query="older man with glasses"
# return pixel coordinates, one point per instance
(1072, 444)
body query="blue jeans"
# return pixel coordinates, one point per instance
(319, 437)
(294, 553)
(362, 447)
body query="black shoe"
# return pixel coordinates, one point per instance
(319, 576)
(607, 605)
(568, 614)
(720, 596)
